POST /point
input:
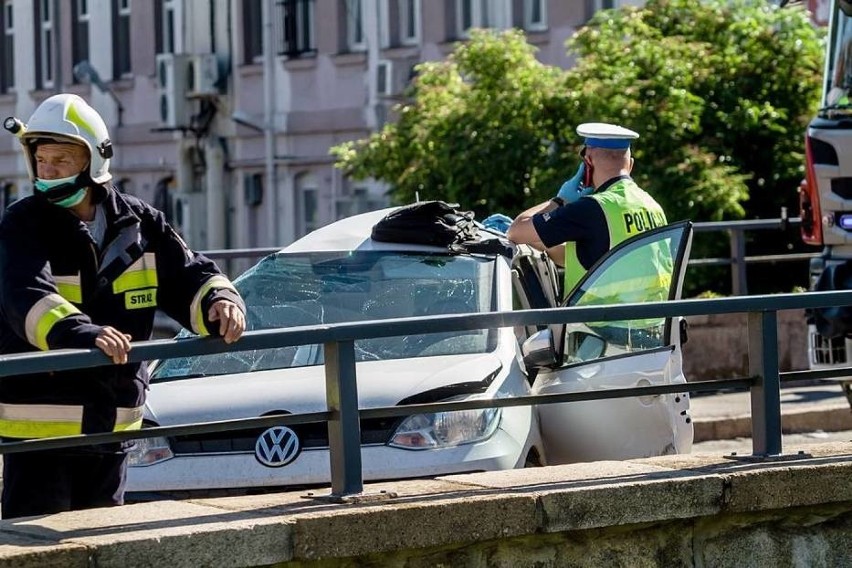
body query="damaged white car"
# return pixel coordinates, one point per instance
(339, 274)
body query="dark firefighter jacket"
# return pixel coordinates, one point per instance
(57, 290)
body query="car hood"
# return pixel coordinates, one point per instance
(298, 390)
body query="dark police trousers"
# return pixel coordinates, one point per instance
(51, 481)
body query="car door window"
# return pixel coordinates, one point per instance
(534, 284)
(646, 268)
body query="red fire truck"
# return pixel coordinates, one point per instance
(826, 195)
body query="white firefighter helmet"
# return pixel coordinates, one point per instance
(69, 118)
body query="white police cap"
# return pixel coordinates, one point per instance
(603, 135)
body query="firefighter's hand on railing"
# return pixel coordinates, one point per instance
(115, 344)
(232, 320)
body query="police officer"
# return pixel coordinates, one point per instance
(85, 266)
(593, 211)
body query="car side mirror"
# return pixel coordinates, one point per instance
(538, 351)
(583, 346)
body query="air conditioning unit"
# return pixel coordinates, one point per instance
(203, 75)
(172, 84)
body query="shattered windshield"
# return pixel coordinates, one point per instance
(287, 290)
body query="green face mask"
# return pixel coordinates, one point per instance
(62, 192)
(73, 200)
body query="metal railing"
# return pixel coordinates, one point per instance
(343, 415)
(738, 260)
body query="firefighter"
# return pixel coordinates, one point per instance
(86, 266)
(598, 208)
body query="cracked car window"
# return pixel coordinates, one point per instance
(291, 290)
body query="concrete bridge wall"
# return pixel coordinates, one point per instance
(690, 511)
(718, 345)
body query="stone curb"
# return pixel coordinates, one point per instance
(424, 514)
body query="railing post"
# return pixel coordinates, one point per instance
(766, 393)
(739, 283)
(344, 429)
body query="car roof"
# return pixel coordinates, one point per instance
(353, 233)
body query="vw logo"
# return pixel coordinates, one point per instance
(277, 447)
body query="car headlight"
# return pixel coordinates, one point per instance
(148, 451)
(446, 429)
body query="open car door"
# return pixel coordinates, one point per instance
(618, 354)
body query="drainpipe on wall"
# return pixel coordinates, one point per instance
(269, 128)
(373, 38)
(185, 185)
(216, 211)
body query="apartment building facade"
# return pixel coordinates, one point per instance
(222, 112)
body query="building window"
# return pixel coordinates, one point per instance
(409, 21)
(44, 44)
(79, 31)
(481, 14)
(296, 34)
(399, 22)
(164, 24)
(7, 48)
(610, 4)
(252, 30)
(355, 40)
(535, 15)
(309, 210)
(357, 200)
(307, 195)
(293, 25)
(120, 38)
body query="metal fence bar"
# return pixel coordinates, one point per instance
(739, 284)
(727, 261)
(817, 375)
(26, 363)
(227, 254)
(766, 392)
(344, 429)
(747, 225)
(368, 413)
(738, 259)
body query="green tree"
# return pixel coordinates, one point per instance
(720, 91)
(484, 128)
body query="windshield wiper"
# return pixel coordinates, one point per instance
(168, 378)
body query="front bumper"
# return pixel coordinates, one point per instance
(311, 467)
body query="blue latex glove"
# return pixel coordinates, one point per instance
(497, 222)
(573, 189)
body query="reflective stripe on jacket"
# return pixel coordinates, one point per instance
(50, 420)
(59, 290)
(628, 211)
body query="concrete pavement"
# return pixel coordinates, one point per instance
(812, 408)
